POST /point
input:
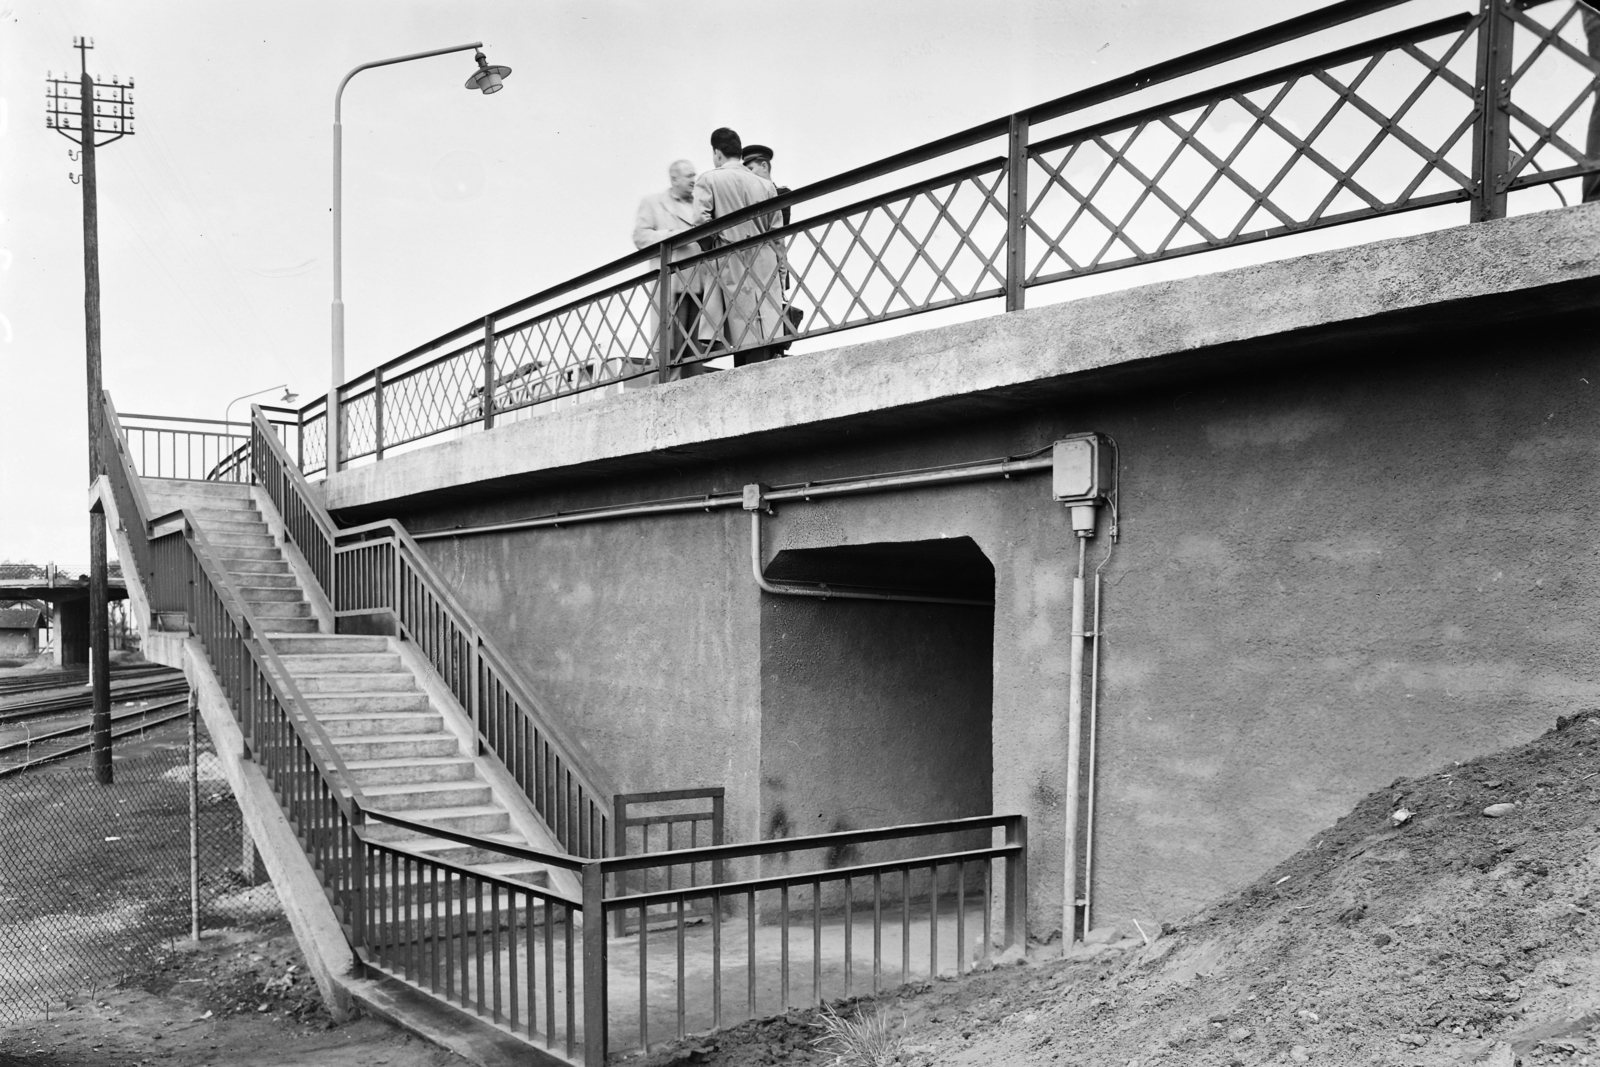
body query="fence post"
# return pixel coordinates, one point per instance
(664, 315)
(488, 372)
(377, 408)
(358, 875)
(194, 816)
(594, 965)
(300, 439)
(1017, 884)
(1491, 134)
(1016, 211)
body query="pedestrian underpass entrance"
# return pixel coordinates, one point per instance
(876, 712)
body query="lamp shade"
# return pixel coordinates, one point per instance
(487, 79)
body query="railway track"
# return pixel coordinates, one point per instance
(44, 680)
(79, 698)
(58, 742)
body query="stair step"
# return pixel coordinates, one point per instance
(273, 626)
(246, 538)
(405, 797)
(392, 771)
(225, 511)
(382, 722)
(356, 682)
(525, 871)
(267, 581)
(470, 819)
(343, 644)
(352, 703)
(250, 527)
(234, 565)
(357, 747)
(273, 607)
(232, 553)
(278, 594)
(468, 855)
(364, 662)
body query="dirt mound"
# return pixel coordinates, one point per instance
(1417, 930)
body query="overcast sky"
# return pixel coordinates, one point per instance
(214, 216)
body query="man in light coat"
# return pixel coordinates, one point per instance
(745, 306)
(660, 216)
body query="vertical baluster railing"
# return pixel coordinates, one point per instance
(488, 372)
(377, 410)
(1016, 211)
(1491, 133)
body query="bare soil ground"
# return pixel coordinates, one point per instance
(1451, 937)
(239, 997)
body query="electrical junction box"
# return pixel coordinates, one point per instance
(1082, 468)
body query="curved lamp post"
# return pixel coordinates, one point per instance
(227, 412)
(487, 80)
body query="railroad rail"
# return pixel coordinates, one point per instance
(39, 749)
(127, 692)
(33, 683)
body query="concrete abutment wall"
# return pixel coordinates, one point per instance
(1351, 549)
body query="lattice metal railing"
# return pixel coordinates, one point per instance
(1476, 109)
(1373, 130)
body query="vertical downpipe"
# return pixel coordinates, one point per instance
(1069, 889)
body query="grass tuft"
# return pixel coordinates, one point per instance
(861, 1041)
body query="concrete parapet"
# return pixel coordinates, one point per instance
(1497, 271)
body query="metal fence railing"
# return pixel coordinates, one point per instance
(202, 450)
(846, 913)
(1477, 109)
(95, 880)
(666, 821)
(521, 955)
(377, 569)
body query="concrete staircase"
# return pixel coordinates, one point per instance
(409, 751)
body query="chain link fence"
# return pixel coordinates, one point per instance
(95, 881)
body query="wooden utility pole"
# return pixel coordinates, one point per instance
(102, 108)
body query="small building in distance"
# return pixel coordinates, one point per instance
(19, 631)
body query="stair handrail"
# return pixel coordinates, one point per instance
(291, 485)
(291, 490)
(278, 677)
(122, 477)
(597, 780)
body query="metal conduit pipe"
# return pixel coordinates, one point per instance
(1069, 891)
(1088, 818)
(824, 592)
(961, 472)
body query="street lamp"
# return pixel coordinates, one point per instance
(227, 412)
(487, 79)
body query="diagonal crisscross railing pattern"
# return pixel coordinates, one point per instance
(1371, 131)
(1472, 109)
(1555, 72)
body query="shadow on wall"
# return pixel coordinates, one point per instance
(876, 713)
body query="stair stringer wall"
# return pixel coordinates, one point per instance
(305, 903)
(524, 818)
(311, 916)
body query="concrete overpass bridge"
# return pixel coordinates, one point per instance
(1051, 617)
(65, 589)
